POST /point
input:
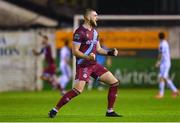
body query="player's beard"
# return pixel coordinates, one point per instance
(93, 23)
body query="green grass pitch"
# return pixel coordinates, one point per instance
(134, 104)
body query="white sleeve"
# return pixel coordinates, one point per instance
(163, 48)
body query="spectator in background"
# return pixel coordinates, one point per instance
(164, 64)
(65, 61)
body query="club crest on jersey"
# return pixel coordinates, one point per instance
(76, 36)
(85, 75)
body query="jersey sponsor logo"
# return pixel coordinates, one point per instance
(91, 41)
(76, 36)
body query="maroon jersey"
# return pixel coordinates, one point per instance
(48, 54)
(88, 40)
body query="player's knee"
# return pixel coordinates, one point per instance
(115, 84)
(77, 91)
(80, 90)
(162, 79)
(80, 86)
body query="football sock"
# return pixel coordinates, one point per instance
(161, 88)
(112, 94)
(110, 110)
(55, 109)
(67, 97)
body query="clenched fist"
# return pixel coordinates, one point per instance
(92, 56)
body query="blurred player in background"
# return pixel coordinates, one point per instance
(164, 64)
(49, 73)
(85, 47)
(65, 61)
(104, 61)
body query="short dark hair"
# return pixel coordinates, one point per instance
(87, 11)
(161, 35)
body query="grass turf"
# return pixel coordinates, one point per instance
(90, 106)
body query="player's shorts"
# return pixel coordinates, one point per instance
(49, 70)
(164, 71)
(84, 73)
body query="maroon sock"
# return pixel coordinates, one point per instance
(67, 97)
(112, 94)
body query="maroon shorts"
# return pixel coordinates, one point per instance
(50, 69)
(84, 73)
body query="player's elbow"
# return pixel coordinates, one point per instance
(98, 50)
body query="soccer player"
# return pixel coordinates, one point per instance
(49, 73)
(65, 60)
(85, 47)
(164, 64)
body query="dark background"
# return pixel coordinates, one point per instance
(64, 10)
